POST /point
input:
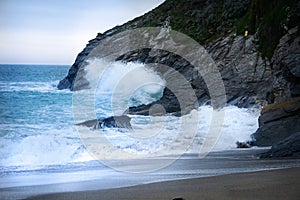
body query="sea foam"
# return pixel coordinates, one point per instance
(44, 134)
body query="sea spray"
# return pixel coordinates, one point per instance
(126, 84)
(37, 124)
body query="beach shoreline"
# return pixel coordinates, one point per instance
(188, 167)
(267, 184)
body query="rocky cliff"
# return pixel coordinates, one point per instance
(199, 19)
(281, 118)
(258, 69)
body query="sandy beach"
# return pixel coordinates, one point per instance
(271, 184)
(237, 174)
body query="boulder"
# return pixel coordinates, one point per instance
(289, 147)
(88, 123)
(122, 121)
(243, 145)
(277, 122)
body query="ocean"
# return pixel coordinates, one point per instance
(39, 143)
(37, 124)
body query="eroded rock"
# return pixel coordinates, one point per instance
(122, 122)
(277, 122)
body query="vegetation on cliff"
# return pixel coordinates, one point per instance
(270, 20)
(207, 20)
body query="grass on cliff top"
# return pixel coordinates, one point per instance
(202, 20)
(207, 20)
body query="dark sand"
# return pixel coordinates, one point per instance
(271, 184)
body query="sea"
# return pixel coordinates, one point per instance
(41, 145)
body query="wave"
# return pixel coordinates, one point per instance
(115, 89)
(53, 147)
(43, 87)
(150, 135)
(39, 132)
(154, 134)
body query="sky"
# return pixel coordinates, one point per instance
(55, 31)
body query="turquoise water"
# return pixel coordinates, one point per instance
(39, 144)
(35, 119)
(29, 95)
(33, 107)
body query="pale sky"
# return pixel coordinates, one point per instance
(55, 31)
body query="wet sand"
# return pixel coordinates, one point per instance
(271, 184)
(188, 177)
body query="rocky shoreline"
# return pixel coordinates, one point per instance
(250, 78)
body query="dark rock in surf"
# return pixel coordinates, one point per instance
(88, 123)
(63, 84)
(243, 145)
(122, 122)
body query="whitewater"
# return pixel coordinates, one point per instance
(37, 119)
(40, 146)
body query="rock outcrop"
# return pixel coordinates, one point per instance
(289, 147)
(245, 73)
(277, 122)
(286, 68)
(122, 122)
(199, 19)
(169, 101)
(281, 118)
(68, 81)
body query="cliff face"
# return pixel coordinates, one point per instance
(217, 25)
(262, 68)
(203, 20)
(245, 73)
(281, 118)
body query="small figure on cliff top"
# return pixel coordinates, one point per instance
(246, 31)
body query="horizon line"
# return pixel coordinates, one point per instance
(36, 64)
